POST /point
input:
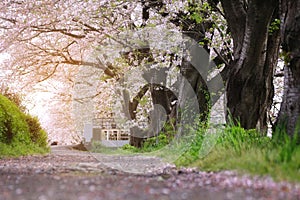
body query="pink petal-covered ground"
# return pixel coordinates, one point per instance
(70, 174)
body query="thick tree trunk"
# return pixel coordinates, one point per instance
(183, 112)
(290, 107)
(156, 79)
(272, 50)
(249, 93)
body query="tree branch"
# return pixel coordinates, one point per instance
(62, 31)
(235, 15)
(135, 102)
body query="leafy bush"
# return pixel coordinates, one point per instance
(128, 147)
(20, 134)
(157, 142)
(37, 134)
(13, 127)
(154, 143)
(13, 97)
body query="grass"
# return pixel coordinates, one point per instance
(20, 149)
(227, 148)
(97, 147)
(250, 152)
(252, 161)
(233, 148)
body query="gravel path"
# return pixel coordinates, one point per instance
(70, 174)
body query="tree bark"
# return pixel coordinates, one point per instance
(248, 89)
(290, 107)
(192, 78)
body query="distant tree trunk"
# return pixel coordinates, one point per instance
(249, 88)
(190, 78)
(290, 107)
(194, 77)
(160, 95)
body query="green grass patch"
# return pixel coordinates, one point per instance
(227, 148)
(248, 151)
(20, 149)
(254, 161)
(98, 147)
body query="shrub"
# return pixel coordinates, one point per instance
(13, 97)
(20, 134)
(155, 143)
(13, 127)
(128, 147)
(37, 134)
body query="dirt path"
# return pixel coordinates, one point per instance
(70, 174)
(133, 164)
